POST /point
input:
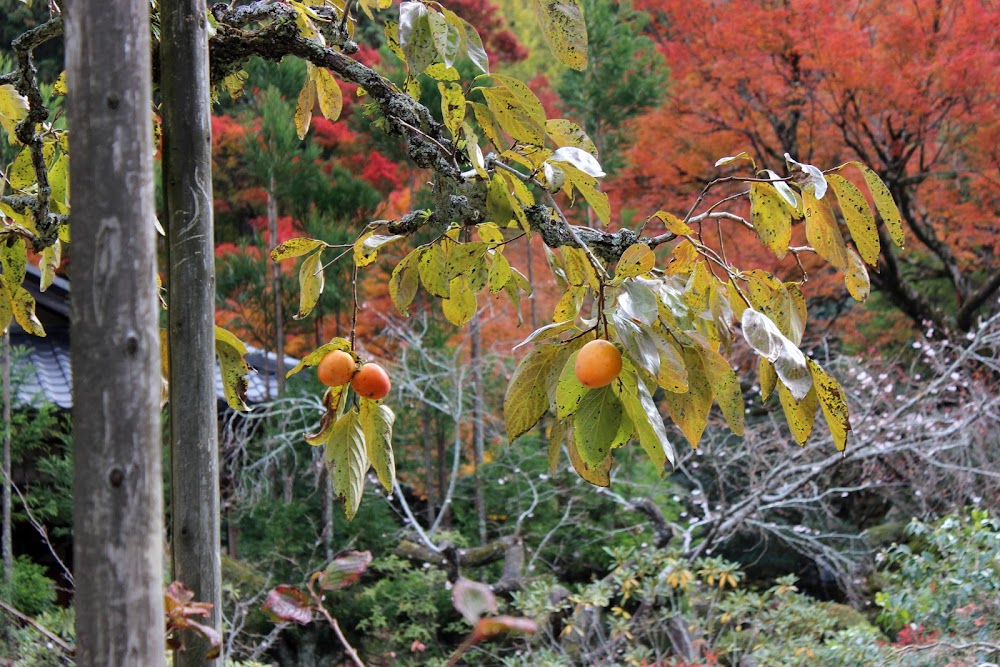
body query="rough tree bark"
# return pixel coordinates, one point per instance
(187, 187)
(8, 546)
(115, 344)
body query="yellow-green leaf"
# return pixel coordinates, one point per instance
(6, 307)
(347, 461)
(13, 109)
(23, 305)
(234, 368)
(598, 475)
(464, 256)
(311, 282)
(452, 107)
(726, 387)
(404, 281)
(834, 403)
(771, 218)
(587, 185)
(565, 30)
(328, 93)
(21, 172)
(884, 204)
(460, 306)
(596, 425)
(49, 263)
(567, 133)
(648, 423)
(512, 117)
(295, 248)
(59, 182)
(858, 217)
(526, 398)
(14, 259)
(523, 97)
(768, 378)
(800, 415)
(333, 400)
(499, 273)
(376, 423)
(434, 271)
(557, 435)
(569, 390)
(690, 410)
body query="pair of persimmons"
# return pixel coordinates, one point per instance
(597, 365)
(338, 368)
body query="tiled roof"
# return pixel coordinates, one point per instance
(44, 374)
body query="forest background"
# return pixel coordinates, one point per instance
(753, 551)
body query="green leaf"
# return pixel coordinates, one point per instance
(347, 461)
(404, 281)
(771, 218)
(433, 271)
(316, 356)
(858, 217)
(333, 400)
(415, 37)
(635, 261)
(648, 423)
(311, 282)
(526, 399)
(14, 259)
(447, 37)
(328, 93)
(822, 231)
(639, 345)
(569, 390)
(599, 474)
(690, 410)
(884, 204)
(768, 341)
(596, 425)
(234, 368)
(452, 107)
(376, 423)
(726, 387)
(834, 403)
(565, 30)
(800, 415)
(461, 305)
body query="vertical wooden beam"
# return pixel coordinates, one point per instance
(115, 344)
(187, 187)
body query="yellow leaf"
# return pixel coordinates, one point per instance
(328, 93)
(376, 423)
(59, 87)
(6, 306)
(768, 378)
(856, 278)
(800, 415)
(771, 218)
(432, 269)
(567, 133)
(23, 305)
(21, 172)
(311, 282)
(690, 410)
(858, 217)
(834, 403)
(295, 248)
(726, 387)
(460, 306)
(512, 117)
(637, 260)
(404, 281)
(452, 107)
(587, 185)
(672, 223)
(884, 204)
(304, 108)
(13, 109)
(822, 231)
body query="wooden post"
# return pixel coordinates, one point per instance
(115, 344)
(187, 186)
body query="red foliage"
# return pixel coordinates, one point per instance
(380, 171)
(332, 135)
(287, 228)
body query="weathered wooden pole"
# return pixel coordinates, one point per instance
(187, 187)
(115, 344)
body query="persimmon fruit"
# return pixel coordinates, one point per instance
(371, 382)
(598, 363)
(336, 368)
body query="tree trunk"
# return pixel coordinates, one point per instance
(7, 537)
(279, 323)
(115, 343)
(478, 423)
(187, 187)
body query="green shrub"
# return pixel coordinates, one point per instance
(31, 592)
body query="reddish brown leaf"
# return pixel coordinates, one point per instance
(496, 625)
(345, 570)
(287, 603)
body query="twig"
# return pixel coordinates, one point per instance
(68, 649)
